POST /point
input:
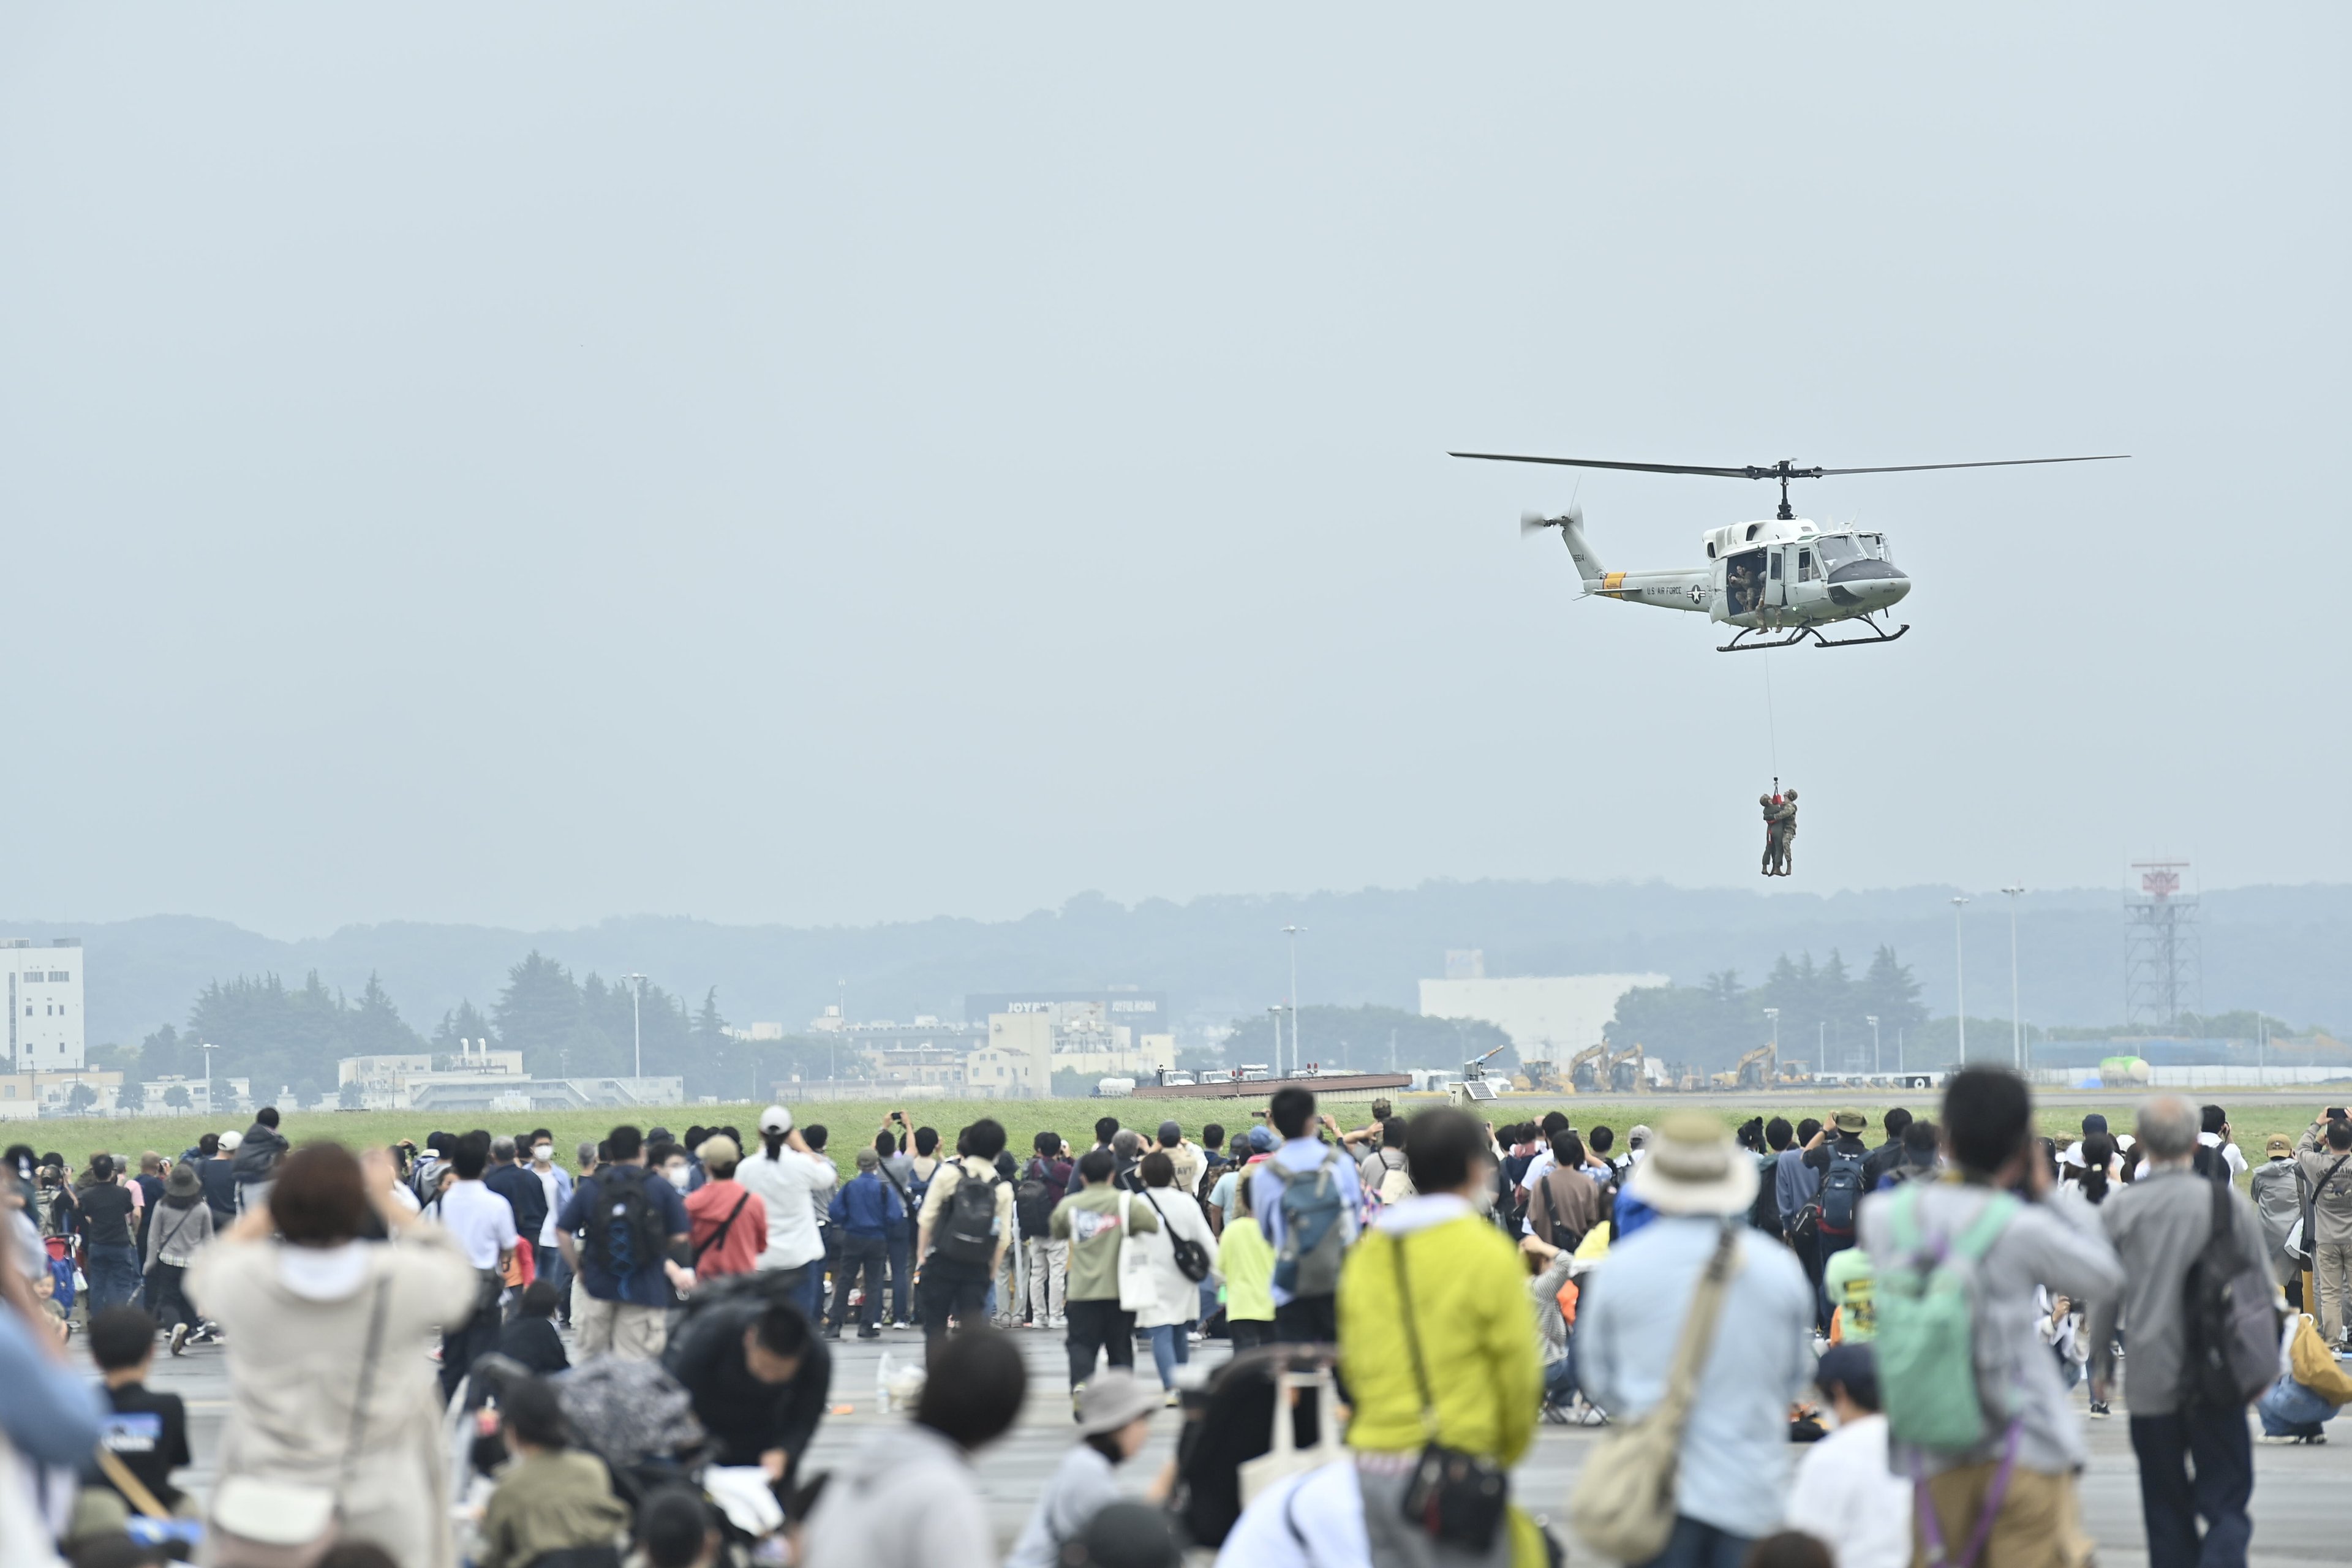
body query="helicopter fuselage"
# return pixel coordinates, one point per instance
(1778, 573)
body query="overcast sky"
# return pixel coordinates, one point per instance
(530, 463)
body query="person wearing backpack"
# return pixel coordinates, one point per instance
(1043, 1182)
(1384, 1171)
(1842, 1161)
(962, 1233)
(1306, 1195)
(1974, 1403)
(2188, 1407)
(629, 1225)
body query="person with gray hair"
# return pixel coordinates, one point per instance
(2158, 1225)
(1127, 1149)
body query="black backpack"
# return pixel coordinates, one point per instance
(625, 1231)
(967, 1231)
(2231, 1353)
(1033, 1201)
(1840, 1192)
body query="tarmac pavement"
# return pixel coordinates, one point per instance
(2302, 1504)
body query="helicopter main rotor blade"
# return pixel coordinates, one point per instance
(1996, 463)
(1782, 470)
(1598, 463)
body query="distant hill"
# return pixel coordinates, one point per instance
(2280, 949)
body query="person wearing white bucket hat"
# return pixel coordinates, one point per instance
(1732, 1470)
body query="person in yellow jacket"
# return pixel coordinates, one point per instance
(1434, 1285)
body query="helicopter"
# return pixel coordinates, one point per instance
(1779, 581)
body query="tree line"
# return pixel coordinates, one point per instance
(289, 1037)
(1824, 1020)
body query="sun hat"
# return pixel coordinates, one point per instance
(775, 1119)
(1693, 1167)
(1168, 1130)
(1112, 1400)
(720, 1150)
(868, 1160)
(1850, 1122)
(1263, 1140)
(2279, 1143)
(183, 1182)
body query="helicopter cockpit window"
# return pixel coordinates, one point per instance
(1837, 549)
(1875, 543)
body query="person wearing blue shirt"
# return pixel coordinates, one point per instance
(1731, 1473)
(1303, 1318)
(622, 1314)
(864, 1212)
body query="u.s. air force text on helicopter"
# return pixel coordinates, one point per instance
(1779, 580)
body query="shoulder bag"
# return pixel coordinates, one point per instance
(258, 1523)
(1136, 1289)
(1623, 1504)
(1192, 1258)
(719, 1236)
(1455, 1497)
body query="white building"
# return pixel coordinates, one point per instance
(44, 1004)
(1549, 1017)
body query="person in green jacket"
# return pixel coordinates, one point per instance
(1437, 1339)
(1097, 1220)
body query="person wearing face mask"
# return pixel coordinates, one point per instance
(555, 1186)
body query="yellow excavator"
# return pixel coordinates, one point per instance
(1625, 1071)
(1587, 1072)
(1536, 1076)
(1757, 1070)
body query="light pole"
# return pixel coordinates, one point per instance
(209, 1049)
(1275, 1014)
(1959, 978)
(2016, 1014)
(1292, 932)
(636, 1016)
(1774, 1014)
(1877, 1056)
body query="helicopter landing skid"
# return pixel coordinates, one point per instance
(1739, 644)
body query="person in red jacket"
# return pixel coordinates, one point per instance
(729, 1221)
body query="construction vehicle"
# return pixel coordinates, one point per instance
(1588, 1071)
(1624, 1070)
(1754, 1070)
(1536, 1076)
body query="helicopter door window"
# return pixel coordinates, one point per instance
(1806, 572)
(1776, 566)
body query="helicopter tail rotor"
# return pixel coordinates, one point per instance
(1535, 523)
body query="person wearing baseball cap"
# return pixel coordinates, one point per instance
(792, 1181)
(1114, 1414)
(2278, 1199)
(1842, 1157)
(1733, 1465)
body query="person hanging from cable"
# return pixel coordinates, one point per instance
(1782, 835)
(1771, 803)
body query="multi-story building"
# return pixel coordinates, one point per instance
(1027, 1048)
(44, 1004)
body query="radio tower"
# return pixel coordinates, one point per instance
(2160, 946)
